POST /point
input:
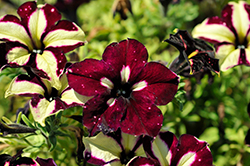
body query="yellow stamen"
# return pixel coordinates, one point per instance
(193, 54)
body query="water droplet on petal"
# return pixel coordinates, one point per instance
(199, 160)
(52, 10)
(128, 128)
(94, 117)
(99, 118)
(149, 108)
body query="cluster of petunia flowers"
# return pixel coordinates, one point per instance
(119, 93)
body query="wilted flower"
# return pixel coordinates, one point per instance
(39, 40)
(115, 148)
(126, 89)
(46, 100)
(167, 150)
(229, 34)
(194, 54)
(123, 7)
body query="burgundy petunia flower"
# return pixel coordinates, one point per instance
(167, 150)
(39, 40)
(126, 89)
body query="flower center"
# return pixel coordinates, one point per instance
(37, 51)
(125, 157)
(241, 46)
(52, 96)
(123, 90)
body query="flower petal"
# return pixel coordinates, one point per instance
(86, 77)
(52, 63)
(46, 162)
(148, 117)
(190, 151)
(159, 149)
(24, 85)
(17, 55)
(236, 16)
(39, 21)
(72, 98)
(140, 161)
(162, 83)
(101, 149)
(41, 108)
(213, 30)
(128, 53)
(231, 60)
(65, 35)
(12, 30)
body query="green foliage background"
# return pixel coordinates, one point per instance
(216, 113)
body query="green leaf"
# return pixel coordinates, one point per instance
(53, 141)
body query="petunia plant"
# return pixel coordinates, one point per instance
(116, 148)
(39, 39)
(229, 34)
(126, 89)
(165, 149)
(118, 102)
(46, 100)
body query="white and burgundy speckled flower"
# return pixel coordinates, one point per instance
(114, 149)
(167, 150)
(126, 89)
(46, 100)
(39, 40)
(18, 160)
(229, 34)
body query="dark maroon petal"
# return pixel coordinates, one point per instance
(25, 10)
(85, 77)
(128, 52)
(226, 15)
(92, 159)
(113, 115)
(92, 112)
(10, 18)
(141, 161)
(188, 143)
(162, 83)
(51, 14)
(147, 116)
(242, 58)
(46, 162)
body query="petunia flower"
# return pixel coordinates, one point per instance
(46, 100)
(114, 149)
(229, 34)
(167, 150)
(195, 53)
(18, 160)
(126, 89)
(39, 40)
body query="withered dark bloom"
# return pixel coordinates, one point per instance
(14, 128)
(195, 53)
(122, 7)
